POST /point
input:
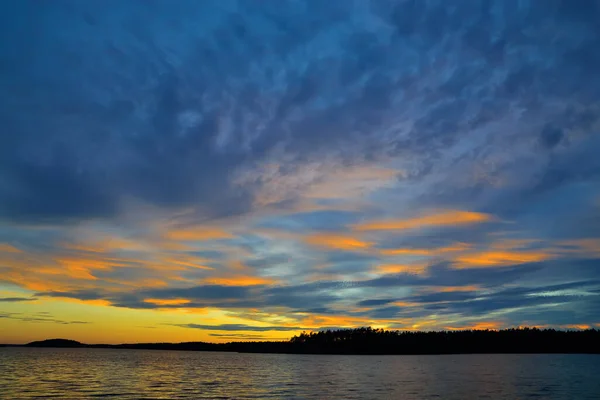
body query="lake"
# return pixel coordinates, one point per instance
(27, 373)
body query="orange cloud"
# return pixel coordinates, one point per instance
(438, 219)
(7, 248)
(81, 267)
(184, 262)
(466, 288)
(499, 258)
(154, 283)
(92, 263)
(339, 242)
(96, 302)
(239, 266)
(407, 252)
(240, 280)
(197, 234)
(458, 247)
(576, 326)
(405, 304)
(167, 302)
(415, 269)
(108, 244)
(318, 321)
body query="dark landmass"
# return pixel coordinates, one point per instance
(56, 343)
(379, 341)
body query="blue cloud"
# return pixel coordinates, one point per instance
(99, 112)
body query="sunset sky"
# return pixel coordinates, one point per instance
(246, 170)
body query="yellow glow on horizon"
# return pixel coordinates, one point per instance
(113, 325)
(490, 325)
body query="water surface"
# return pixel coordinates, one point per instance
(27, 373)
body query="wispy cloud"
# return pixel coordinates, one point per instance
(434, 219)
(337, 241)
(16, 299)
(241, 327)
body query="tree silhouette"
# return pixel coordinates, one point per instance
(367, 340)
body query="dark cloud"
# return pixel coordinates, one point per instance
(385, 312)
(46, 318)
(297, 299)
(198, 296)
(551, 136)
(16, 299)
(204, 292)
(477, 303)
(442, 275)
(80, 294)
(374, 302)
(166, 119)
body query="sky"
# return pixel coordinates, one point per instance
(248, 170)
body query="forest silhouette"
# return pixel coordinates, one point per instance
(379, 341)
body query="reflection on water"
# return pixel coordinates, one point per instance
(144, 374)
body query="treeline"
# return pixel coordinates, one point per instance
(380, 341)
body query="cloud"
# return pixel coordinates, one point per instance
(241, 327)
(374, 302)
(197, 234)
(80, 295)
(401, 269)
(499, 258)
(302, 158)
(168, 302)
(337, 241)
(435, 219)
(240, 281)
(7, 248)
(336, 88)
(241, 336)
(41, 318)
(457, 247)
(16, 299)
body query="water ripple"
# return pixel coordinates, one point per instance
(27, 373)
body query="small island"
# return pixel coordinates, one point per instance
(67, 343)
(381, 342)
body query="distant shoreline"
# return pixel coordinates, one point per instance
(367, 341)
